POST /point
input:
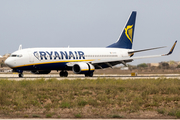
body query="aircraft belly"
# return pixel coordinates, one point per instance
(49, 66)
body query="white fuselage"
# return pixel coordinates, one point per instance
(79, 60)
(58, 58)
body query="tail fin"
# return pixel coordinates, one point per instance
(126, 38)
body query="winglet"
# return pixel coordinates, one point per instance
(171, 51)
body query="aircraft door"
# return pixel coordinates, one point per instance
(31, 58)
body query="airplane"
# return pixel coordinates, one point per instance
(79, 60)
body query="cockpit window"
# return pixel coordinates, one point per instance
(19, 55)
(13, 55)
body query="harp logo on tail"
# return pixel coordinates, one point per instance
(129, 32)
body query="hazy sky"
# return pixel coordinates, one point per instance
(89, 23)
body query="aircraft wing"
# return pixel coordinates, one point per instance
(151, 56)
(124, 60)
(135, 51)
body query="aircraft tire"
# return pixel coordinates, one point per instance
(89, 74)
(21, 75)
(63, 74)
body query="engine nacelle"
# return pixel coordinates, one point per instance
(40, 71)
(83, 68)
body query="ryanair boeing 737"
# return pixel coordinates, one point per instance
(79, 60)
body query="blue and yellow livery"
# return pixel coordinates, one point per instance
(126, 38)
(79, 60)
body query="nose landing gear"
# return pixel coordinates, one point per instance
(21, 75)
(19, 71)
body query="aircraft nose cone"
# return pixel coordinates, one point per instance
(9, 62)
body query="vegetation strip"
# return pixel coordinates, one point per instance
(100, 98)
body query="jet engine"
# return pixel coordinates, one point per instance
(83, 68)
(40, 71)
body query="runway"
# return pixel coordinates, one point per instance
(11, 76)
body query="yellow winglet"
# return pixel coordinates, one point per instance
(170, 52)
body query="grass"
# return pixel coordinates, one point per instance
(161, 111)
(36, 116)
(117, 116)
(91, 98)
(65, 105)
(174, 112)
(82, 103)
(78, 115)
(26, 116)
(48, 115)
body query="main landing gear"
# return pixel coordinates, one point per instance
(63, 73)
(89, 74)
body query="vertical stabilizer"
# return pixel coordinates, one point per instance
(126, 38)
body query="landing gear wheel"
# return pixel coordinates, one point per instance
(89, 75)
(63, 74)
(21, 75)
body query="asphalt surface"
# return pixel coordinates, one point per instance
(11, 76)
(83, 119)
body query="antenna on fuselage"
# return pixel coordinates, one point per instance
(20, 47)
